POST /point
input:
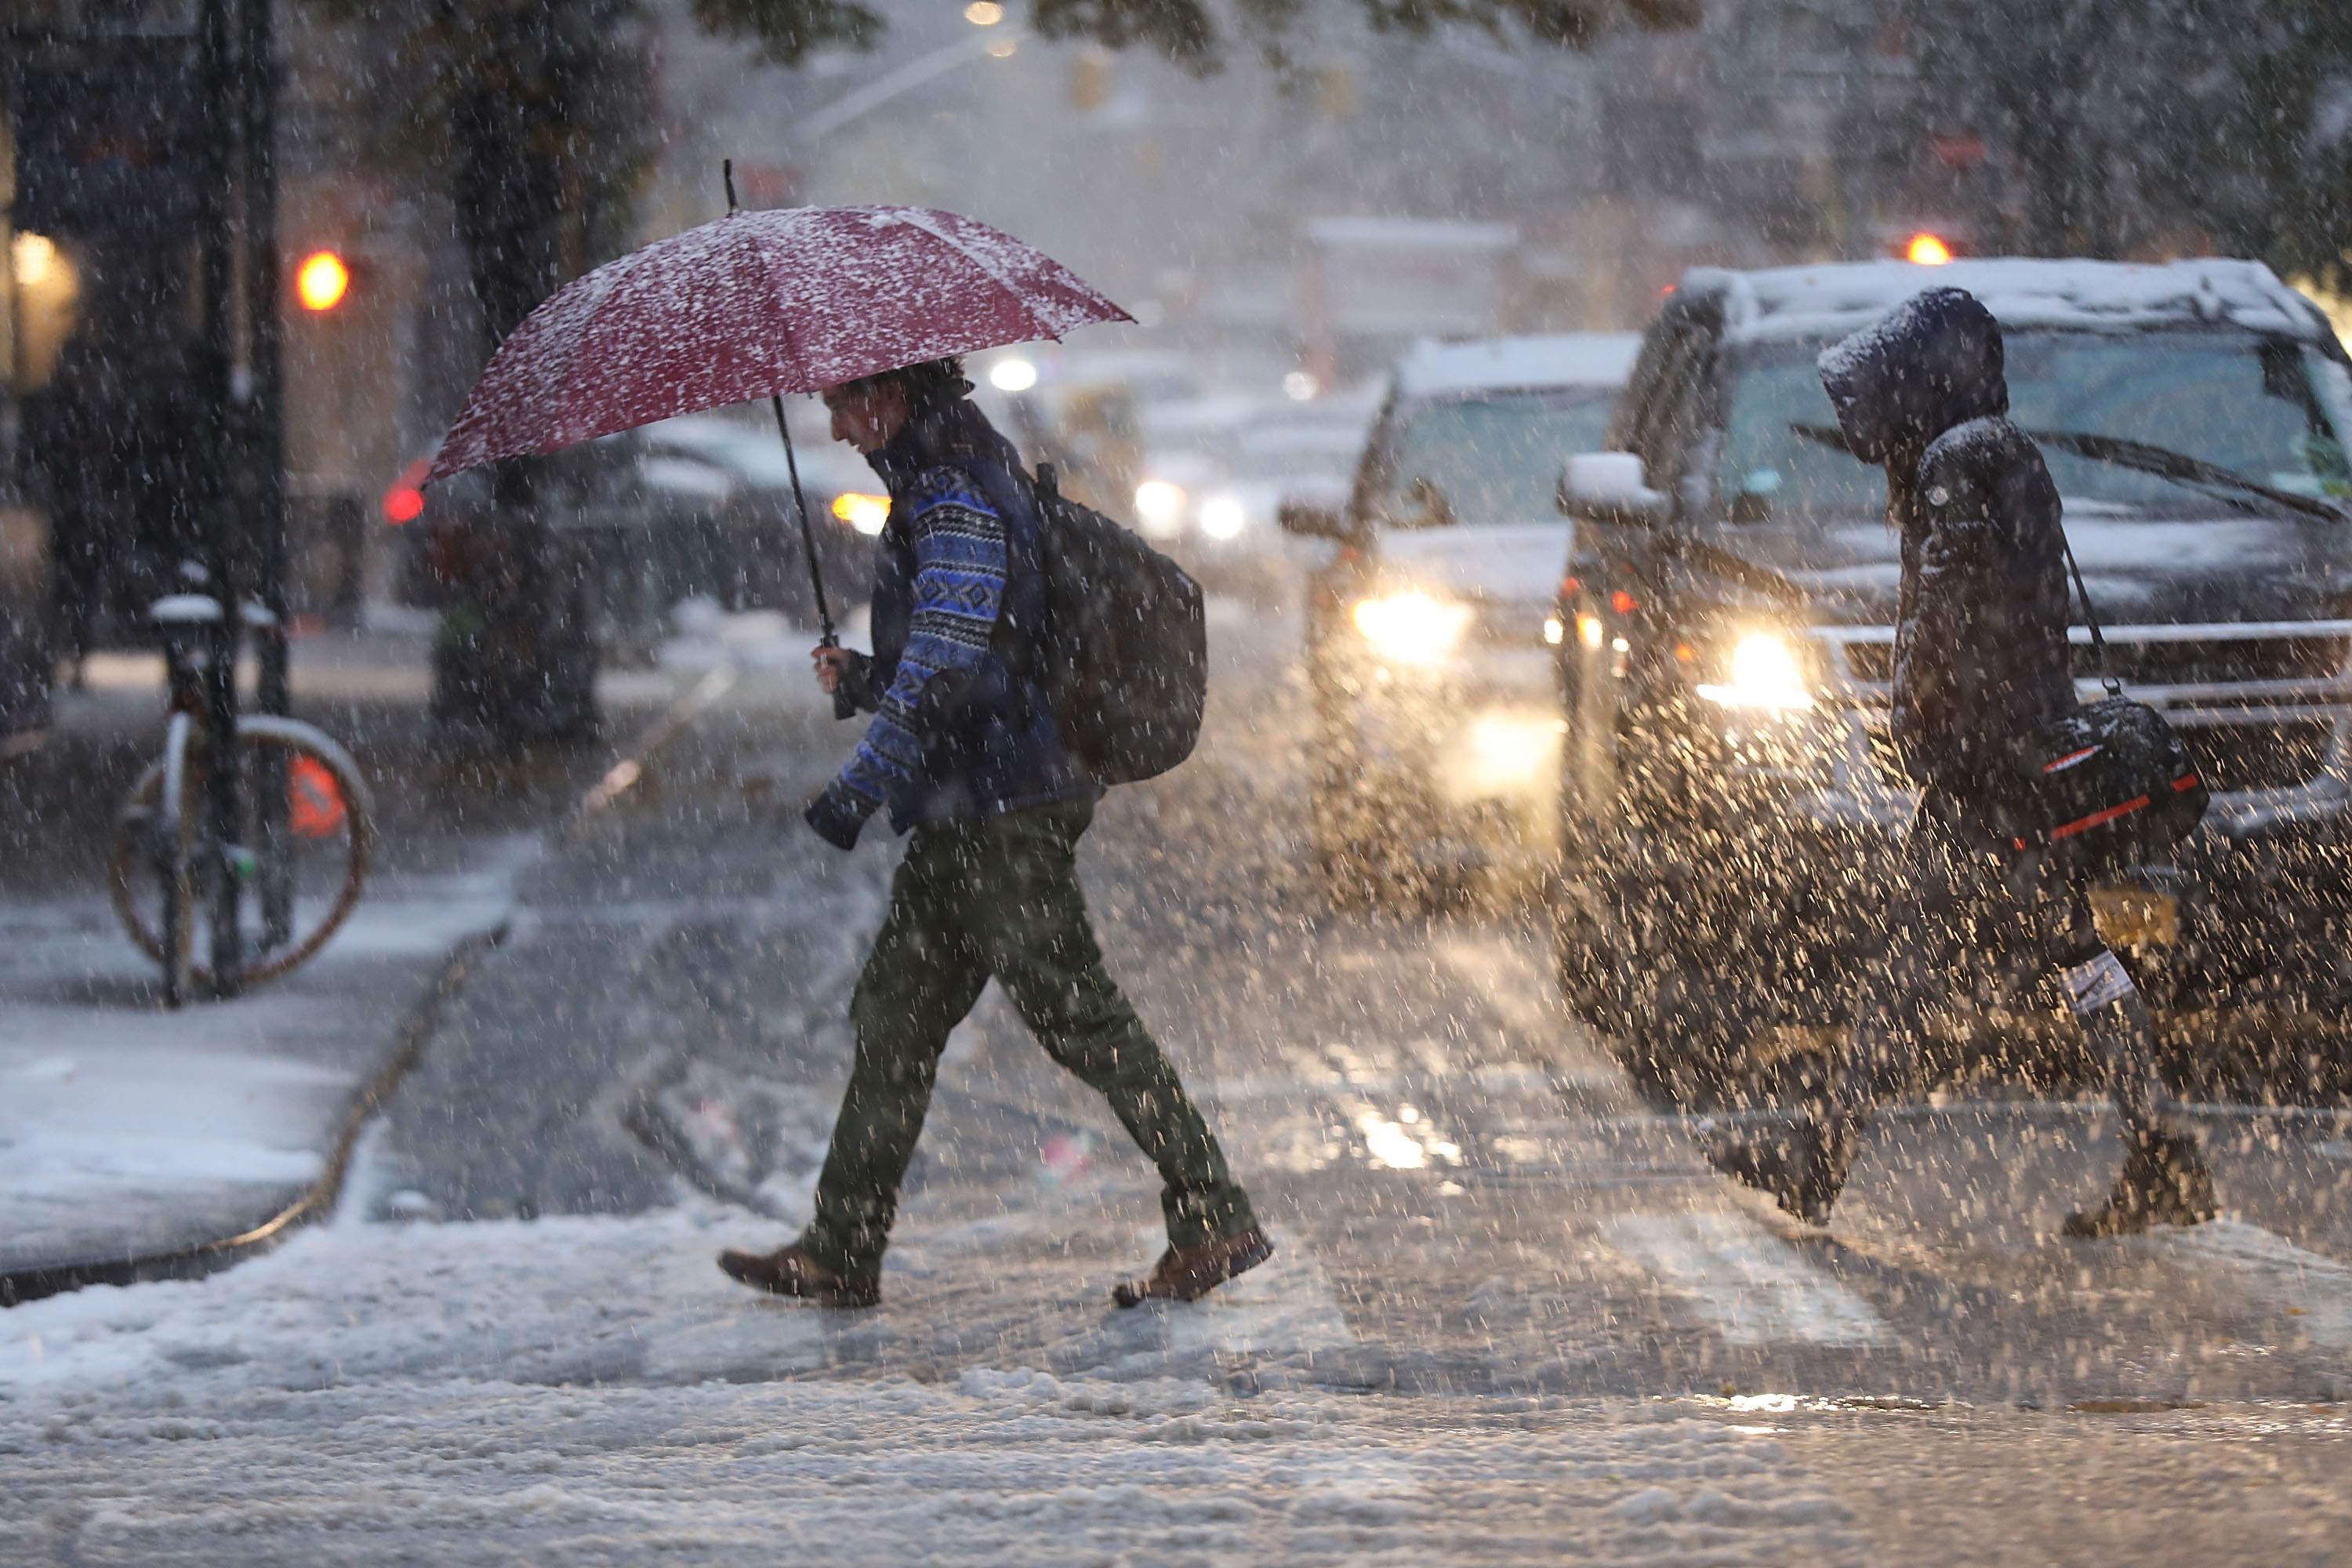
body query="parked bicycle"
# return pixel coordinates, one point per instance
(266, 897)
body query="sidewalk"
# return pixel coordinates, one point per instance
(130, 1134)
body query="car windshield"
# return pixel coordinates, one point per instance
(1285, 455)
(2271, 413)
(1492, 457)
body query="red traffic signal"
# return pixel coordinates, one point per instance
(322, 280)
(1926, 249)
(405, 501)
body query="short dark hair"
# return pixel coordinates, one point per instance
(927, 383)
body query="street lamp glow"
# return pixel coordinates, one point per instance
(1012, 375)
(322, 280)
(983, 13)
(1300, 386)
(1927, 251)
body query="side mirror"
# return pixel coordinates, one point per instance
(1610, 488)
(1316, 512)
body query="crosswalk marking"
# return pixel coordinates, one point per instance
(1751, 1287)
(2316, 1289)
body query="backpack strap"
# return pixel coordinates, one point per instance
(2091, 618)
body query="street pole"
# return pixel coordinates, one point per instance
(209, 486)
(266, 449)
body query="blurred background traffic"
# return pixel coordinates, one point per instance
(1287, 198)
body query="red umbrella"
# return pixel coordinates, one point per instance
(756, 305)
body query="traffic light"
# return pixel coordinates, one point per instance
(405, 501)
(1927, 249)
(322, 280)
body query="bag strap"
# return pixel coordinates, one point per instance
(2091, 618)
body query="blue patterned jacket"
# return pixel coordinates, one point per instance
(960, 728)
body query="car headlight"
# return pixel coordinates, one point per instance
(1411, 627)
(1161, 506)
(865, 513)
(1766, 671)
(1223, 516)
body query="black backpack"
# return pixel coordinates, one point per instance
(1124, 656)
(2109, 785)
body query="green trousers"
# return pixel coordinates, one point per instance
(999, 897)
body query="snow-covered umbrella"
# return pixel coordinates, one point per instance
(756, 305)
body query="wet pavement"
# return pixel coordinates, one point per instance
(1490, 1247)
(1461, 1167)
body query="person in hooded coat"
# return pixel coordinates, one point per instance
(1981, 661)
(963, 753)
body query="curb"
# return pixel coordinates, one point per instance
(417, 1029)
(22, 1285)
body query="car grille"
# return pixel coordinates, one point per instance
(2167, 663)
(1509, 625)
(2259, 756)
(2229, 756)
(2258, 738)
(2200, 663)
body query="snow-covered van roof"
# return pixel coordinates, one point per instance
(1432, 369)
(1832, 299)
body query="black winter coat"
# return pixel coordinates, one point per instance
(1980, 635)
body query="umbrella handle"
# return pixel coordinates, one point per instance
(843, 708)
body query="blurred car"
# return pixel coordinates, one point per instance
(1216, 508)
(1084, 412)
(1437, 739)
(757, 558)
(694, 507)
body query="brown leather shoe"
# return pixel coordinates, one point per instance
(1802, 1168)
(2164, 1182)
(1188, 1273)
(790, 1271)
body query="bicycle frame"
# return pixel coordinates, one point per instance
(199, 661)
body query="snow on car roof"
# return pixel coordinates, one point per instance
(1832, 298)
(1411, 233)
(1431, 369)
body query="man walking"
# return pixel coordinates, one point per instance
(1981, 661)
(963, 751)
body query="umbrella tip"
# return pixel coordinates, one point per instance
(727, 173)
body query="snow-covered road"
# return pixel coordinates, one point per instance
(1512, 1317)
(555, 1390)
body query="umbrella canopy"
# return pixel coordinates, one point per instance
(756, 304)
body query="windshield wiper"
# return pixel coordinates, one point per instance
(2161, 461)
(1829, 436)
(2165, 463)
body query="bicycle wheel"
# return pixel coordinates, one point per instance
(326, 840)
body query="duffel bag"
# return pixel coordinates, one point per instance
(2109, 785)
